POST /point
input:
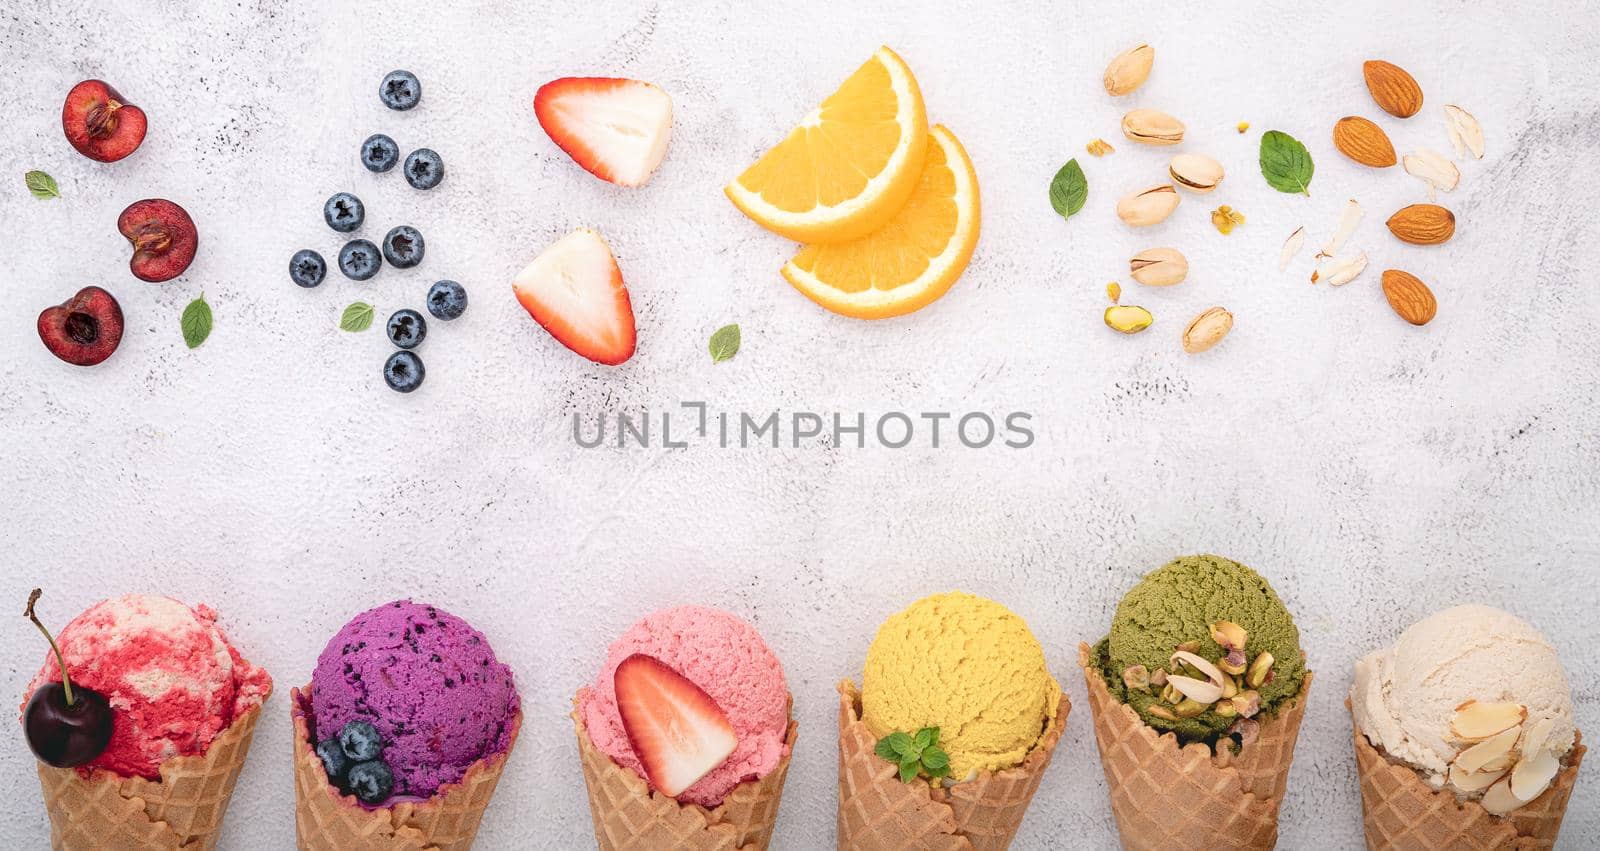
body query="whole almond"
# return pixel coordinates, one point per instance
(1364, 142)
(1423, 224)
(1152, 127)
(1129, 70)
(1409, 297)
(1207, 330)
(1392, 88)
(1148, 206)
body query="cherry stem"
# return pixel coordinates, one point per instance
(66, 684)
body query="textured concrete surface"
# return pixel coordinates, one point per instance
(1373, 471)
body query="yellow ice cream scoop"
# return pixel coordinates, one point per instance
(968, 666)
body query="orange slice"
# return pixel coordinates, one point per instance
(913, 259)
(849, 166)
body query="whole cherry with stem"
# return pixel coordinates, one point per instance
(66, 727)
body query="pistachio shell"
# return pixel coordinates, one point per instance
(1159, 267)
(1195, 172)
(1129, 70)
(1148, 206)
(1152, 127)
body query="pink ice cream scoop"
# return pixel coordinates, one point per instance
(727, 659)
(172, 678)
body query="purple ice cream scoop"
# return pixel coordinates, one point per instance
(428, 681)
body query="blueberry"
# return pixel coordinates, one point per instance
(371, 782)
(447, 300)
(407, 328)
(404, 371)
(344, 212)
(359, 259)
(403, 246)
(307, 268)
(334, 760)
(360, 741)
(379, 153)
(400, 90)
(424, 168)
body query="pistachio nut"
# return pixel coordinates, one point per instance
(1170, 694)
(1128, 318)
(1136, 677)
(1233, 662)
(1195, 172)
(1152, 127)
(1188, 647)
(1230, 635)
(1247, 731)
(1149, 206)
(1225, 709)
(1207, 330)
(1248, 703)
(1114, 292)
(1259, 669)
(1158, 678)
(1159, 267)
(1230, 687)
(1190, 708)
(1129, 70)
(1160, 711)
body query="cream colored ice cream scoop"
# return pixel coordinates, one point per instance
(1409, 699)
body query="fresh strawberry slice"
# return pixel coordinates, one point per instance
(676, 729)
(575, 290)
(617, 129)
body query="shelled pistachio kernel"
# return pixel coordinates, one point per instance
(1114, 292)
(1160, 711)
(1136, 677)
(1127, 318)
(1256, 677)
(1190, 708)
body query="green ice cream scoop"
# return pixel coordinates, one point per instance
(1178, 606)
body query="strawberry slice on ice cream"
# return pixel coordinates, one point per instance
(617, 129)
(574, 290)
(678, 732)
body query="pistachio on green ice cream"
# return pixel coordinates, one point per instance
(1176, 605)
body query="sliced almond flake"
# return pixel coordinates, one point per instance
(1348, 220)
(1498, 800)
(1465, 133)
(1533, 775)
(1291, 247)
(1536, 735)
(1432, 168)
(1492, 753)
(1473, 782)
(1340, 270)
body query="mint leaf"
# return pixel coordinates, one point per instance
(886, 750)
(925, 737)
(357, 317)
(1069, 190)
(903, 746)
(42, 185)
(196, 322)
(724, 343)
(1285, 163)
(936, 761)
(908, 771)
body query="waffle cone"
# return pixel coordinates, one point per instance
(629, 817)
(878, 812)
(1170, 797)
(1399, 811)
(183, 810)
(325, 820)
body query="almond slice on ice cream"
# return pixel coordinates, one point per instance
(1475, 720)
(1497, 752)
(1536, 735)
(1499, 800)
(1469, 783)
(1533, 775)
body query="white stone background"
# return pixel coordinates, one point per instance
(1373, 471)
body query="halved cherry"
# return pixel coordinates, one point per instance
(100, 124)
(163, 236)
